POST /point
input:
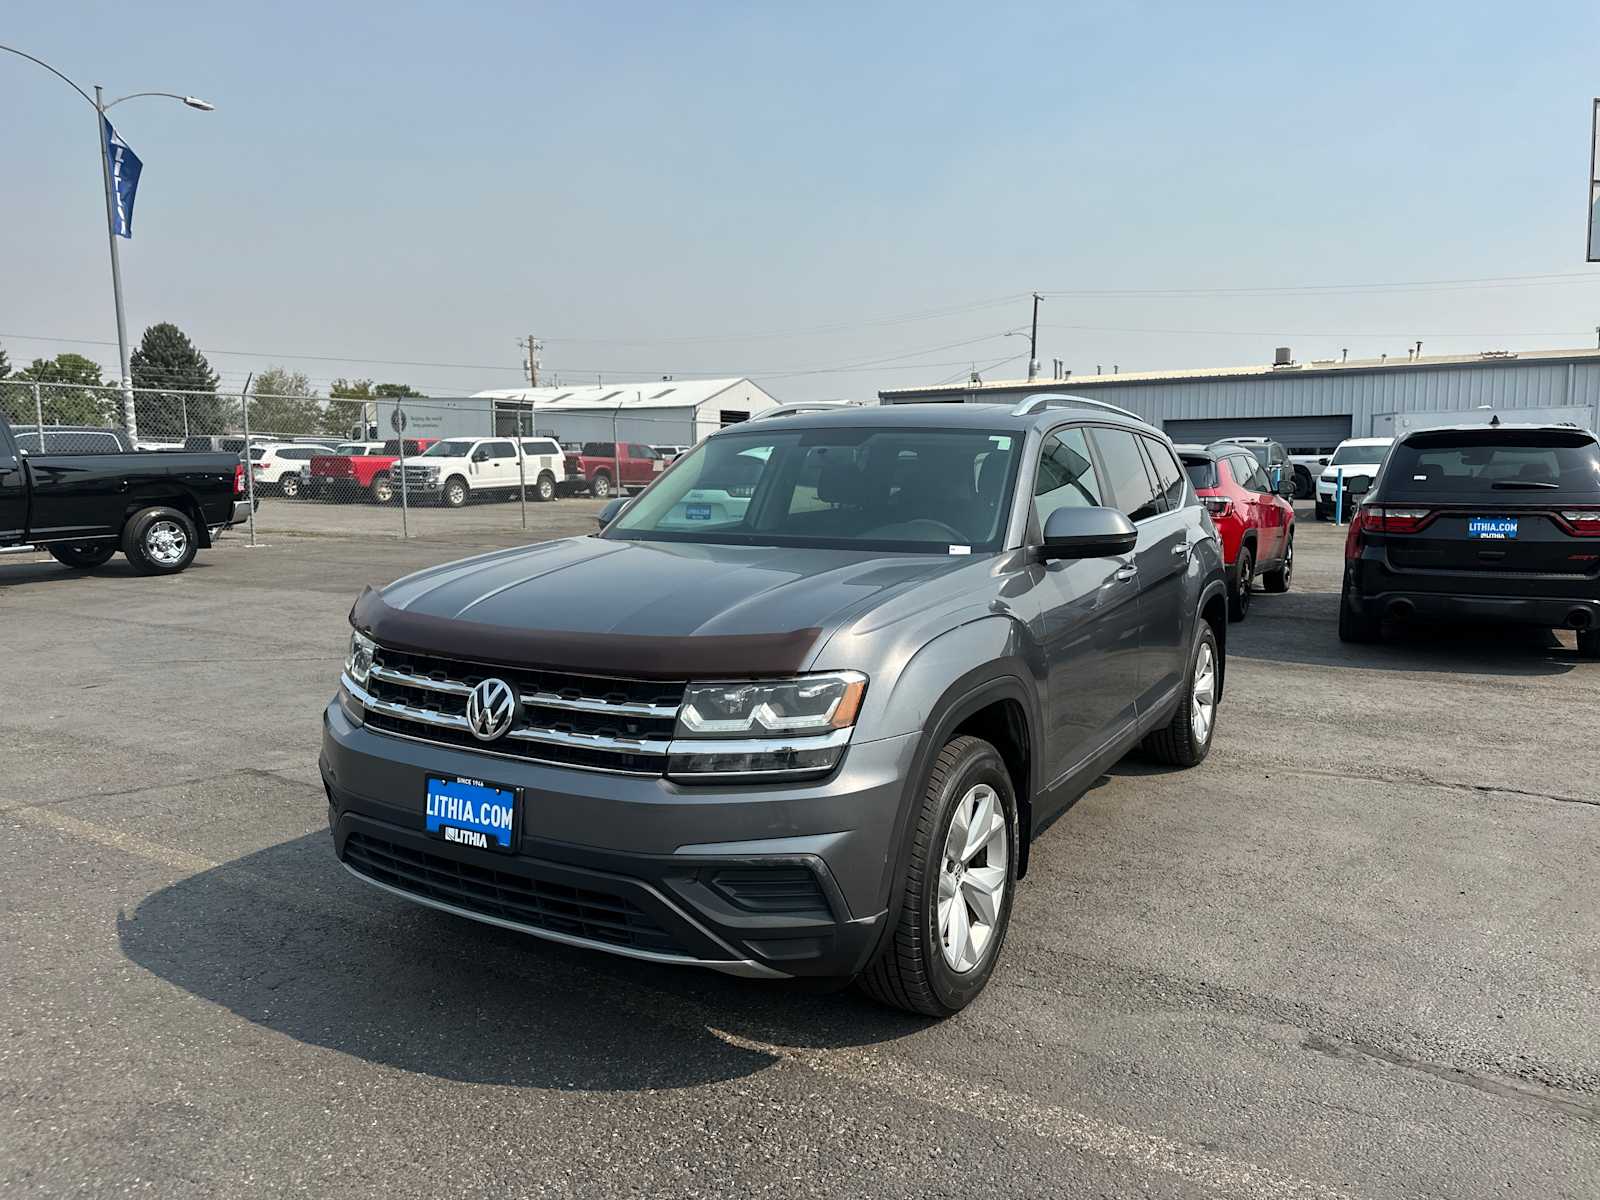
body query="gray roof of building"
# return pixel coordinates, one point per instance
(985, 416)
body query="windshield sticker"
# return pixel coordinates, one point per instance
(697, 512)
(960, 549)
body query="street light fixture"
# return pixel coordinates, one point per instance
(100, 106)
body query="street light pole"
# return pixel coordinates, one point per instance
(98, 102)
(125, 377)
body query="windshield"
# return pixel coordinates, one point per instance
(1348, 455)
(1497, 461)
(1202, 471)
(940, 491)
(452, 449)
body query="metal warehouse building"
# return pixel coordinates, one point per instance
(1311, 406)
(662, 412)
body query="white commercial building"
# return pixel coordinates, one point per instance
(663, 412)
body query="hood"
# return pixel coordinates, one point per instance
(646, 608)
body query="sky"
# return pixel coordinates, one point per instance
(829, 198)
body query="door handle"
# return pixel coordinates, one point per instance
(1181, 550)
(1127, 572)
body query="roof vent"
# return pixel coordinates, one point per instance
(1282, 357)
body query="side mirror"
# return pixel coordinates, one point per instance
(1358, 487)
(1323, 461)
(609, 513)
(1287, 488)
(1087, 533)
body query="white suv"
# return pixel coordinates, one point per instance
(276, 465)
(1359, 459)
(457, 468)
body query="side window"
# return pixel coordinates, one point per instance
(500, 450)
(1125, 473)
(1168, 474)
(637, 451)
(1257, 481)
(1066, 477)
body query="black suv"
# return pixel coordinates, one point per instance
(1484, 523)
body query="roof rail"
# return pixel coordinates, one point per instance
(804, 406)
(1061, 400)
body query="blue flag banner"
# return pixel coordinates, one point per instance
(125, 168)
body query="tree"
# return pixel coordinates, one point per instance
(343, 414)
(282, 401)
(66, 395)
(5, 363)
(175, 387)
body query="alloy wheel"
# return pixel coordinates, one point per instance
(1203, 696)
(165, 543)
(972, 878)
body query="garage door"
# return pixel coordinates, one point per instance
(1302, 435)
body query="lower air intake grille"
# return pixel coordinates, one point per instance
(790, 890)
(577, 912)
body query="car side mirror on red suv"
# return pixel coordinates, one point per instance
(1087, 533)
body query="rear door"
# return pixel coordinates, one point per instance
(1265, 516)
(13, 490)
(643, 464)
(1494, 503)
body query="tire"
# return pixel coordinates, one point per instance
(600, 486)
(83, 556)
(1239, 586)
(1589, 643)
(545, 490)
(159, 541)
(918, 968)
(1305, 488)
(455, 492)
(1279, 579)
(381, 489)
(1186, 740)
(1323, 514)
(1358, 629)
(289, 485)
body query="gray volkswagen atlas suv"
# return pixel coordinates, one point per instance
(799, 708)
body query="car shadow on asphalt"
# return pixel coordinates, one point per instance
(16, 574)
(288, 940)
(1302, 627)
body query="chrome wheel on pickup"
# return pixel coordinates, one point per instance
(160, 541)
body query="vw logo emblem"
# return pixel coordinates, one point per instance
(491, 709)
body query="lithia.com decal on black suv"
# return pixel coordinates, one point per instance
(798, 708)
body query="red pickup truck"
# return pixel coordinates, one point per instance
(597, 467)
(348, 476)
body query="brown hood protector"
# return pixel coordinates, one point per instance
(739, 656)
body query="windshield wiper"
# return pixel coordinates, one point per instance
(1516, 485)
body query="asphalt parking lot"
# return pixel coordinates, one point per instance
(1357, 952)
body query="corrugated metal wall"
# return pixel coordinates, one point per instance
(1361, 395)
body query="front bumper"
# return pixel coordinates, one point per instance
(775, 880)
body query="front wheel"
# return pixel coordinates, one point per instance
(83, 555)
(1278, 580)
(159, 541)
(382, 489)
(455, 493)
(1244, 574)
(955, 902)
(1186, 740)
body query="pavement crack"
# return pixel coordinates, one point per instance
(1493, 1085)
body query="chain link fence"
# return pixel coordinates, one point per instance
(467, 469)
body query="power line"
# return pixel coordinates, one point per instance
(1325, 289)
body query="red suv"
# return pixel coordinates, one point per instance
(1254, 520)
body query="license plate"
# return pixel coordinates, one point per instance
(1495, 529)
(470, 812)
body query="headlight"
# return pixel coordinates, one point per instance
(358, 663)
(765, 729)
(810, 705)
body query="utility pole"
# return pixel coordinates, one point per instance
(1033, 341)
(533, 346)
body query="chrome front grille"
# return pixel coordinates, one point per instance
(593, 722)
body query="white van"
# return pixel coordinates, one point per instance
(456, 469)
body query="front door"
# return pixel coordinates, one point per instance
(1161, 556)
(13, 492)
(1086, 621)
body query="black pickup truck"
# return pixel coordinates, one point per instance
(158, 509)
